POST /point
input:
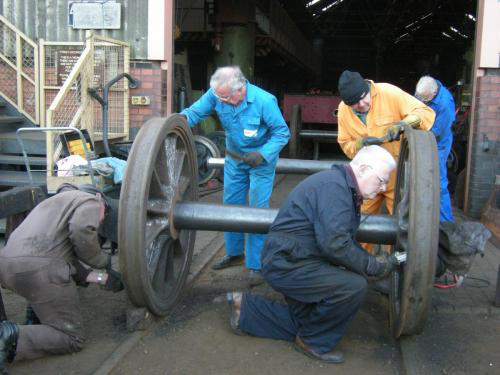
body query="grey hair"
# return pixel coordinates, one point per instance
(373, 156)
(228, 76)
(426, 86)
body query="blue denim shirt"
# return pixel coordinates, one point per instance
(256, 124)
(444, 106)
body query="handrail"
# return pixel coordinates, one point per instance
(24, 96)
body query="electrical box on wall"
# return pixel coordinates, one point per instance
(95, 14)
(141, 100)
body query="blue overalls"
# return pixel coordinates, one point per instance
(444, 106)
(311, 257)
(256, 124)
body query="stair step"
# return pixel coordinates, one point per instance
(34, 143)
(19, 160)
(21, 178)
(11, 119)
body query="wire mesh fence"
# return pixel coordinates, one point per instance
(19, 70)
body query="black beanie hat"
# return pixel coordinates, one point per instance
(352, 87)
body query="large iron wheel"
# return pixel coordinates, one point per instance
(161, 170)
(416, 205)
(295, 128)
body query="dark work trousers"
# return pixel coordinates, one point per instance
(321, 299)
(47, 285)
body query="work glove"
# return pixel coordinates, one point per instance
(381, 266)
(253, 158)
(395, 131)
(80, 276)
(367, 141)
(114, 283)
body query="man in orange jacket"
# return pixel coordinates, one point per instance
(372, 110)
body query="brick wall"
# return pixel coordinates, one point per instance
(153, 83)
(485, 152)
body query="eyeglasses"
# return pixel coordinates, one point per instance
(424, 99)
(381, 181)
(226, 98)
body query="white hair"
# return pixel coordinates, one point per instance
(374, 156)
(426, 87)
(228, 76)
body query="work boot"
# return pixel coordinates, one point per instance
(234, 301)
(9, 333)
(330, 357)
(229, 261)
(254, 278)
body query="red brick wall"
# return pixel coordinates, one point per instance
(152, 83)
(485, 151)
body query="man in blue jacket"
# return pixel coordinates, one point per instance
(312, 258)
(435, 95)
(256, 130)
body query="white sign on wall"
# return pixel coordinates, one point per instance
(95, 14)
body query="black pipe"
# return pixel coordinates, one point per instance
(290, 166)
(104, 101)
(379, 229)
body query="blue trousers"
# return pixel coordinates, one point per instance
(244, 185)
(320, 324)
(445, 211)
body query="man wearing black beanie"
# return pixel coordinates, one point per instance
(373, 110)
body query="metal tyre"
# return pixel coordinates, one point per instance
(416, 205)
(161, 170)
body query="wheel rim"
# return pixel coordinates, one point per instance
(416, 204)
(205, 149)
(161, 170)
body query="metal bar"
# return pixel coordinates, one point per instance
(380, 229)
(322, 134)
(290, 166)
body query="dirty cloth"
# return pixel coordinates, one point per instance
(460, 243)
(117, 166)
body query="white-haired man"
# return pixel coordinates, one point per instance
(432, 92)
(256, 130)
(313, 259)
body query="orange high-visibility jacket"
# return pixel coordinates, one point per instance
(389, 104)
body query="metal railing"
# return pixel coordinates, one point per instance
(101, 59)
(19, 83)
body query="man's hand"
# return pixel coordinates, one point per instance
(381, 266)
(395, 131)
(253, 158)
(114, 282)
(367, 141)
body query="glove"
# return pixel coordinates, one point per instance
(367, 141)
(80, 277)
(381, 266)
(114, 283)
(253, 158)
(412, 120)
(394, 132)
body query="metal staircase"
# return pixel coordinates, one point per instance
(12, 168)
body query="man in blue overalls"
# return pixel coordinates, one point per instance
(435, 95)
(256, 130)
(312, 258)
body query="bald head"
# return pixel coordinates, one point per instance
(372, 167)
(426, 89)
